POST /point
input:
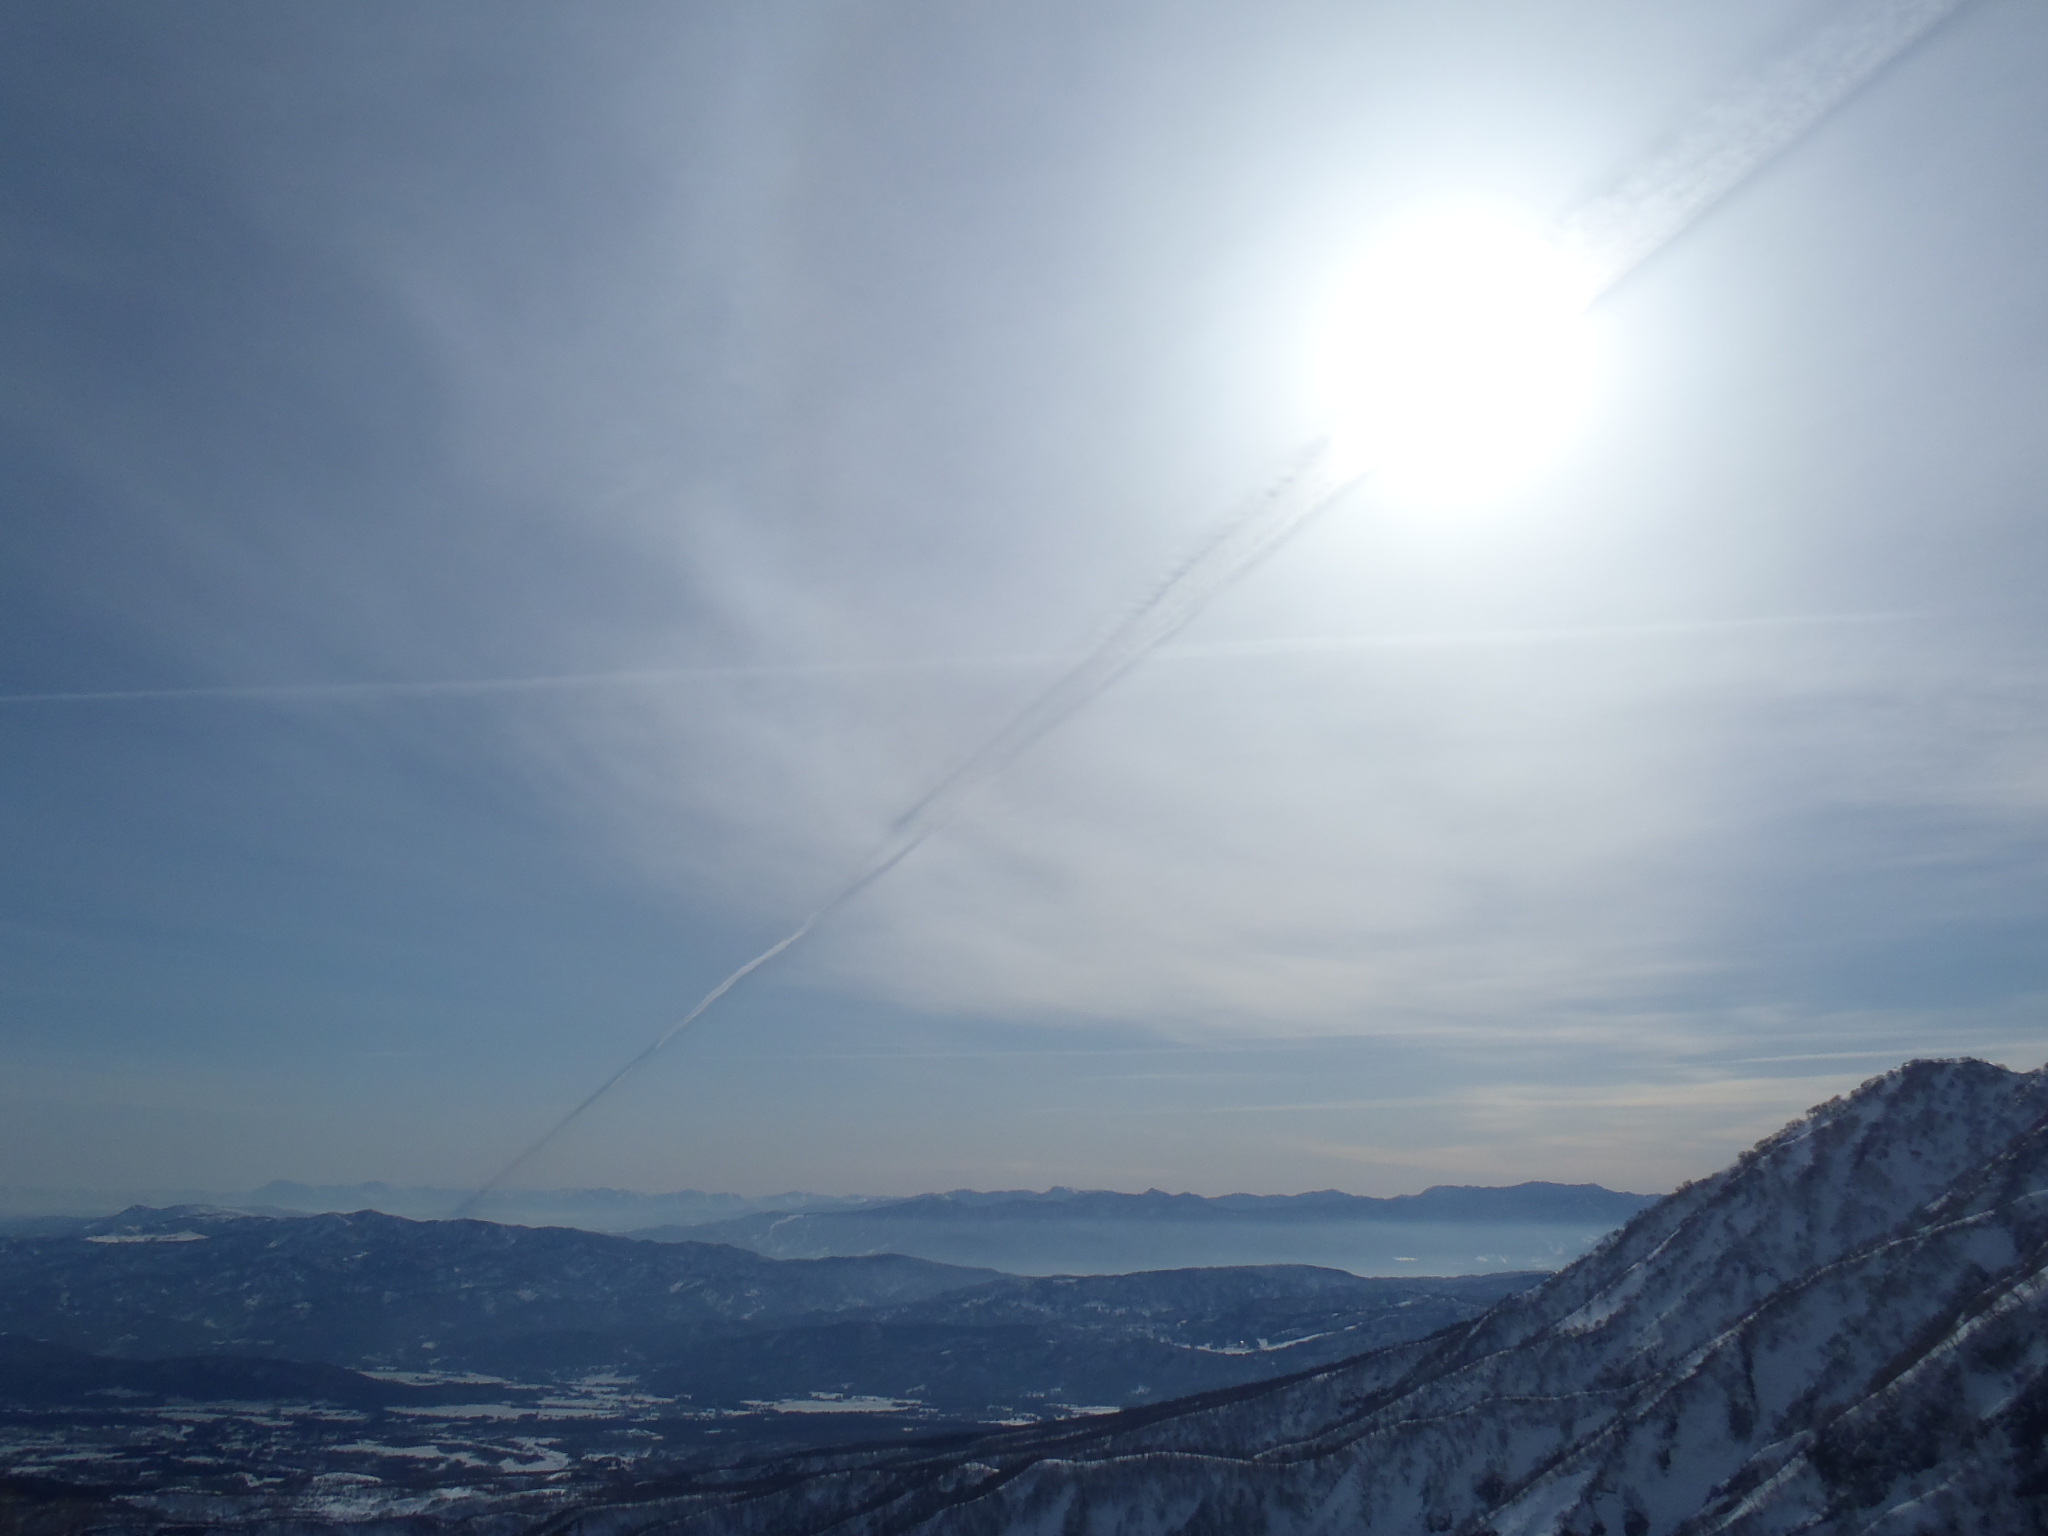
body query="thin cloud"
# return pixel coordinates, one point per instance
(640, 677)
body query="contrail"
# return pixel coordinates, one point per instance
(1458, 639)
(884, 860)
(543, 683)
(1648, 207)
(1760, 117)
(1240, 542)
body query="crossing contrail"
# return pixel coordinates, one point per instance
(1211, 650)
(552, 682)
(1652, 203)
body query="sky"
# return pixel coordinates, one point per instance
(503, 505)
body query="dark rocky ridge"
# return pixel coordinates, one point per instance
(35, 1373)
(368, 1290)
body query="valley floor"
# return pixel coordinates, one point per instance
(514, 1450)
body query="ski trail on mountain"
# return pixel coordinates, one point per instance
(1758, 119)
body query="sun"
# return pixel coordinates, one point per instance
(1457, 358)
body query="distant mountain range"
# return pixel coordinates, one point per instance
(1532, 1202)
(1447, 1229)
(595, 1210)
(1845, 1332)
(752, 1221)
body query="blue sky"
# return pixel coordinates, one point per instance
(787, 388)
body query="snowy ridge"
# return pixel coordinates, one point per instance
(1845, 1331)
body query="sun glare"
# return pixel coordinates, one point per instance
(1458, 358)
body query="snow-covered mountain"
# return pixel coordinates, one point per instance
(1846, 1331)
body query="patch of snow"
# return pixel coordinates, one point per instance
(835, 1403)
(417, 1452)
(441, 1378)
(1537, 1512)
(1605, 1303)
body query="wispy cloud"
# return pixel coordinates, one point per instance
(656, 677)
(633, 483)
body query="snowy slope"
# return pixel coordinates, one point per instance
(1844, 1332)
